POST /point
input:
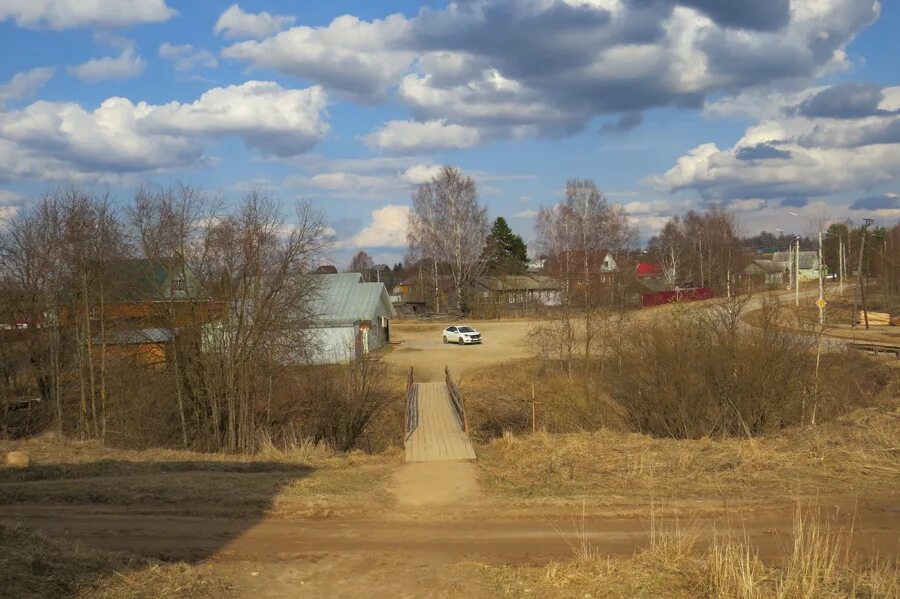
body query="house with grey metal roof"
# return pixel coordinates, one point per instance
(809, 263)
(350, 318)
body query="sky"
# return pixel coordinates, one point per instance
(765, 108)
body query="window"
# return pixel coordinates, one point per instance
(452, 329)
(177, 285)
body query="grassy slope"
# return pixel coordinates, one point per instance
(850, 455)
(308, 483)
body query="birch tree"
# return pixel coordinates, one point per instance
(448, 225)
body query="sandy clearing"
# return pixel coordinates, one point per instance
(420, 345)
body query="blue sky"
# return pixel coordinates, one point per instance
(667, 104)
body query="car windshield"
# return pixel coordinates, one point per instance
(466, 330)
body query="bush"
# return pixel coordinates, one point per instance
(702, 372)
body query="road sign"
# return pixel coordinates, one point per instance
(820, 303)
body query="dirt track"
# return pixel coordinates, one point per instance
(407, 551)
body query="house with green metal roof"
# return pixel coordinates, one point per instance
(350, 318)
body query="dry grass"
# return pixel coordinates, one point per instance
(818, 567)
(302, 480)
(849, 455)
(33, 566)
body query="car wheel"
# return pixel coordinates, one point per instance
(462, 341)
(445, 339)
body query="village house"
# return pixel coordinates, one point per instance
(416, 294)
(147, 305)
(764, 274)
(809, 263)
(351, 318)
(517, 291)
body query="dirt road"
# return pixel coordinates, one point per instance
(409, 551)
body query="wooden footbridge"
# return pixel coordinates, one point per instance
(436, 429)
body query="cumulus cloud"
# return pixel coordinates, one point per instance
(234, 23)
(411, 136)
(845, 101)
(374, 179)
(67, 14)
(25, 84)
(793, 155)
(186, 57)
(514, 68)
(123, 66)
(388, 229)
(354, 57)
(63, 140)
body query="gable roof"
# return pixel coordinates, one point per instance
(809, 260)
(766, 266)
(343, 299)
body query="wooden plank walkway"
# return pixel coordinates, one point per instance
(437, 435)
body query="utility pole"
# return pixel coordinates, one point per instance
(860, 279)
(797, 275)
(841, 264)
(821, 302)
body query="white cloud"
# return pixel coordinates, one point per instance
(354, 57)
(10, 198)
(234, 23)
(25, 84)
(526, 214)
(186, 57)
(420, 173)
(63, 140)
(126, 65)
(411, 136)
(511, 69)
(66, 14)
(388, 229)
(646, 207)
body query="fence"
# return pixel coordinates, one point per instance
(456, 400)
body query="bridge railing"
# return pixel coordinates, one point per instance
(411, 413)
(456, 400)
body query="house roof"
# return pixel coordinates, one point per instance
(138, 336)
(647, 269)
(343, 299)
(766, 266)
(143, 280)
(519, 283)
(809, 260)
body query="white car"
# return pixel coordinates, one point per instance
(463, 335)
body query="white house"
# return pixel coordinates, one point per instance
(352, 318)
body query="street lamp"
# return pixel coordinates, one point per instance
(821, 301)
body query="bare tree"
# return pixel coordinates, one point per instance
(257, 269)
(448, 225)
(576, 235)
(362, 263)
